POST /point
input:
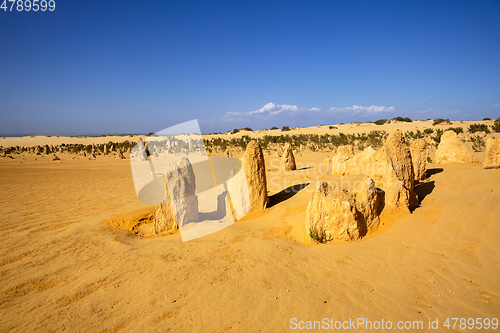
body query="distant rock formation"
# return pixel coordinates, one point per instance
(46, 150)
(419, 155)
(119, 155)
(452, 150)
(340, 160)
(55, 158)
(288, 160)
(105, 150)
(492, 159)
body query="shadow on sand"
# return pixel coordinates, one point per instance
(431, 172)
(285, 194)
(424, 189)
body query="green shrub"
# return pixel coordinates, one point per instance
(478, 128)
(496, 125)
(380, 122)
(405, 119)
(319, 236)
(235, 131)
(248, 129)
(437, 137)
(412, 135)
(429, 159)
(457, 130)
(478, 143)
(484, 119)
(274, 128)
(331, 127)
(285, 128)
(440, 120)
(428, 131)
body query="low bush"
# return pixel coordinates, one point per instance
(405, 119)
(478, 128)
(380, 122)
(440, 120)
(496, 125)
(457, 130)
(478, 143)
(319, 236)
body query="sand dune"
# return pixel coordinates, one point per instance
(63, 268)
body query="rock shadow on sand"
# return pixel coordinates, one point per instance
(424, 189)
(285, 194)
(433, 171)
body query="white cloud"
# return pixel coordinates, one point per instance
(497, 104)
(268, 110)
(357, 109)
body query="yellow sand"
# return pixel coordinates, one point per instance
(63, 268)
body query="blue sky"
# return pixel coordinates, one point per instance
(141, 66)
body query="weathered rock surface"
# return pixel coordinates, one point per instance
(340, 160)
(492, 159)
(360, 163)
(332, 215)
(164, 219)
(419, 154)
(180, 186)
(369, 202)
(338, 214)
(105, 150)
(46, 150)
(288, 160)
(392, 171)
(453, 150)
(255, 172)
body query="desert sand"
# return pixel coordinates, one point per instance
(63, 265)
